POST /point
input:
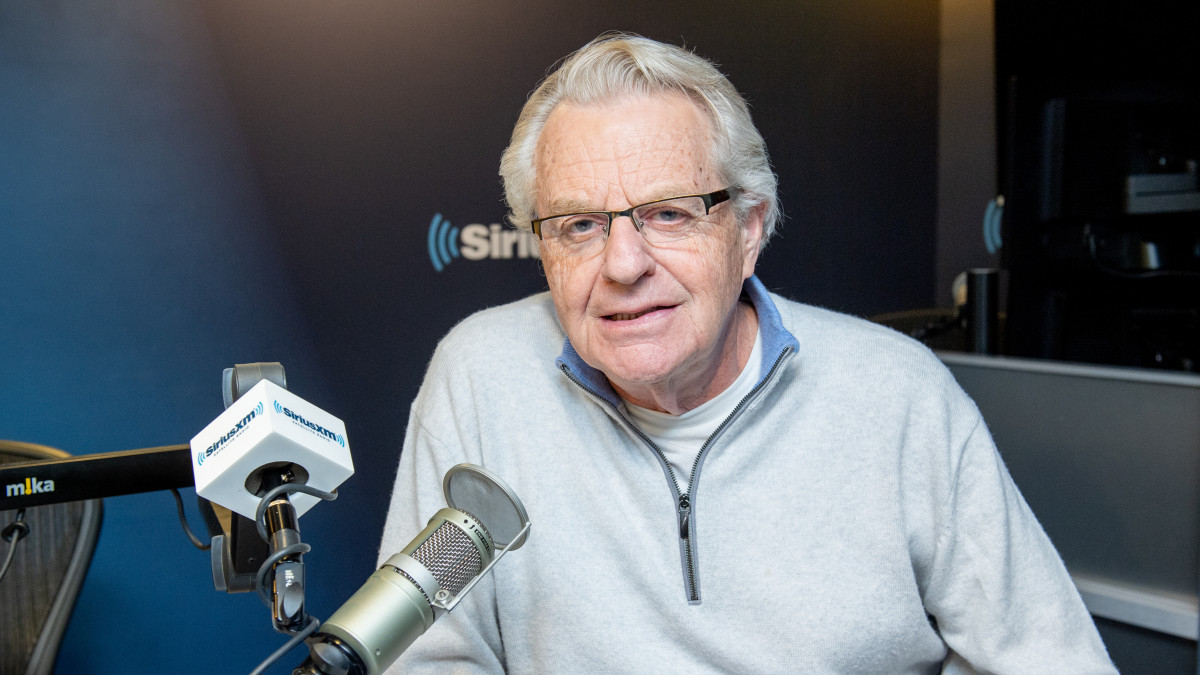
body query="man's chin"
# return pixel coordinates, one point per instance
(636, 371)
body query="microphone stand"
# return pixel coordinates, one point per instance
(242, 559)
(236, 557)
(96, 476)
(285, 565)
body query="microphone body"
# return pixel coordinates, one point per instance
(403, 598)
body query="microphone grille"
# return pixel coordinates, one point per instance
(450, 556)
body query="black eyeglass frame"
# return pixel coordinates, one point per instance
(710, 200)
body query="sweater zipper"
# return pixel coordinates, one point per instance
(683, 500)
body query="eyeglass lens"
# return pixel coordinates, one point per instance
(664, 221)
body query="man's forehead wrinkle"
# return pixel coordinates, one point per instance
(581, 182)
(581, 169)
(657, 163)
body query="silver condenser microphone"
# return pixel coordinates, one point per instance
(414, 587)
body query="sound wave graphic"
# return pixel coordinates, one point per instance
(992, 218)
(443, 242)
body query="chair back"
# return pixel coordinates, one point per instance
(39, 591)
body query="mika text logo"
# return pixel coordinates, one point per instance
(31, 486)
(315, 428)
(477, 242)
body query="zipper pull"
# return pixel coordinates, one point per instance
(685, 508)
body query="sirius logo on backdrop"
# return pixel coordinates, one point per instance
(477, 242)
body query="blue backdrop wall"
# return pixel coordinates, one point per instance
(185, 186)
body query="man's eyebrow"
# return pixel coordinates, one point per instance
(668, 192)
(572, 205)
(564, 206)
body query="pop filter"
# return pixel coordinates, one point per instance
(482, 494)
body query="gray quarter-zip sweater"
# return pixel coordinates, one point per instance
(850, 516)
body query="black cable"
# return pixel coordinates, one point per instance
(183, 522)
(13, 533)
(313, 624)
(260, 515)
(266, 569)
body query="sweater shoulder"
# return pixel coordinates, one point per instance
(854, 347)
(513, 333)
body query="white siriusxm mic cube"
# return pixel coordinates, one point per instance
(268, 425)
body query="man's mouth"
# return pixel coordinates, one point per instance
(630, 316)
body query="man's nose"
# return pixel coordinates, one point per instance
(626, 253)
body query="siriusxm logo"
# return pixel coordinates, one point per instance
(477, 242)
(316, 428)
(229, 435)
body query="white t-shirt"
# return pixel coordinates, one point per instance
(680, 437)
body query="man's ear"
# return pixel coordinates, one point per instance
(752, 233)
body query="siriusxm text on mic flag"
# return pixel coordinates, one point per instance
(269, 425)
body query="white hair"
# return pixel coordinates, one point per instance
(619, 64)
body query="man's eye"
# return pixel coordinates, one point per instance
(669, 217)
(577, 226)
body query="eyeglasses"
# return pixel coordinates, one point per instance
(660, 222)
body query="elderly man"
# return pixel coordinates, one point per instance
(721, 480)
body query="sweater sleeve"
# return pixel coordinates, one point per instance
(466, 640)
(999, 593)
